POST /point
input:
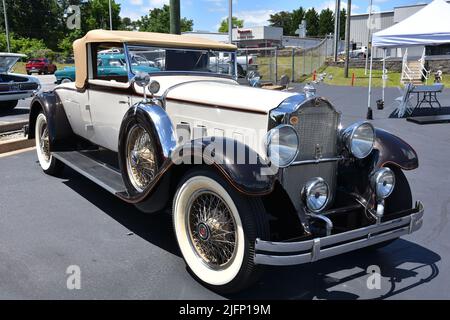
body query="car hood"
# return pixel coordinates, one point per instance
(8, 60)
(229, 95)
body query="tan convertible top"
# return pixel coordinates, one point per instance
(133, 37)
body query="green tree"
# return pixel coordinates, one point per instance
(283, 20)
(158, 20)
(326, 22)
(312, 23)
(128, 24)
(38, 19)
(65, 45)
(33, 48)
(297, 17)
(96, 15)
(237, 23)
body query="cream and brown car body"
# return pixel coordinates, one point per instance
(314, 190)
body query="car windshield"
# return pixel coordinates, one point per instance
(151, 59)
(7, 62)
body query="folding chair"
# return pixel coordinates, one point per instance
(404, 104)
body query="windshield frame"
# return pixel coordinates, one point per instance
(184, 73)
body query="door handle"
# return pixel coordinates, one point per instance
(124, 102)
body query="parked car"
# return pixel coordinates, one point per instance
(108, 64)
(14, 87)
(358, 53)
(251, 177)
(245, 64)
(40, 66)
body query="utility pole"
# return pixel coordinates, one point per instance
(6, 26)
(175, 17)
(369, 31)
(110, 16)
(230, 21)
(347, 37)
(337, 16)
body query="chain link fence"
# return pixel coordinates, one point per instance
(296, 63)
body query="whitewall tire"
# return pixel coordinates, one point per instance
(48, 163)
(216, 229)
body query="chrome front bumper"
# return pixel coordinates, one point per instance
(293, 253)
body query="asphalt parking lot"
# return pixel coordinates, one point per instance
(48, 224)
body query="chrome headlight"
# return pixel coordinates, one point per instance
(282, 144)
(382, 182)
(359, 139)
(316, 194)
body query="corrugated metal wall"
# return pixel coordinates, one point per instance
(360, 28)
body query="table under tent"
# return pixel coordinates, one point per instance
(427, 27)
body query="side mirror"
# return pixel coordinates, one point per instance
(142, 79)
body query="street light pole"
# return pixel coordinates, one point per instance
(110, 16)
(347, 37)
(369, 27)
(230, 21)
(175, 17)
(337, 16)
(6, 26)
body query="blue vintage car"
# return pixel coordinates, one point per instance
(109, 64)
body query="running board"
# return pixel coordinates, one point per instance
(96, 171)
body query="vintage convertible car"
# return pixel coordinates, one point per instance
(252, 177)
(14, 87)
(109, 63)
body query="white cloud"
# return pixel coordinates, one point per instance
(218, 5)
(135, 14)
(330, 4)
(158, 3)
(255, 17)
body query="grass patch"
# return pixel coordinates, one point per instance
(302, 66)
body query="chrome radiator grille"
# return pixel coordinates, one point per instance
(317, 129)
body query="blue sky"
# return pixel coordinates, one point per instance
(207, 14)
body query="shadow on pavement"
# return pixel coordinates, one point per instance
(424, 111)
(403, 264)
(154, 228)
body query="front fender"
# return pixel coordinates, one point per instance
(391, 150)
(156, 120)
(248, 178)
(241, 166)
(59, 129)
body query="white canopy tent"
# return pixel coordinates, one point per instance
(429, 26)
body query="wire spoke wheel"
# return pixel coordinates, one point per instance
(212, 229)
(141, 159)
(44, 143)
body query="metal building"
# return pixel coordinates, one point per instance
(359, 30)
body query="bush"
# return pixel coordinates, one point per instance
(32, 48)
